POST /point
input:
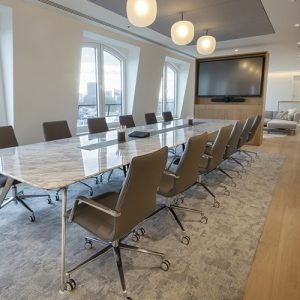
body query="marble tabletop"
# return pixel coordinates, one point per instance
(57, 164)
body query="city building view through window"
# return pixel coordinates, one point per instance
(167, 93)
(100, 89)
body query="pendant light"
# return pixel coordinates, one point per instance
(182, 32)
(141, 13)
(206, 44)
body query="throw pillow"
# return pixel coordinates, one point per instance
(291, 113)
(282, 115)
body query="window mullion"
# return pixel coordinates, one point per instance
(101, 99)
(165, 88)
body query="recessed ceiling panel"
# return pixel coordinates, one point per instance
(225, 19)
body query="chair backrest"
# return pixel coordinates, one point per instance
(219, 147)
(7, 137)
(56, 130)
(246, 131)
(234, 138)
(137, 199)
(97, 125)
(167, 115)
(188, 167)
(127, 121)
(150, 118)
(254, 127)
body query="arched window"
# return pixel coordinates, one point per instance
(101, 85)
(167, 100)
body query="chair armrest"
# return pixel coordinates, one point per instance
(95, 205)
(168, 173)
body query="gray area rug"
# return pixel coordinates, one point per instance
(215, 265)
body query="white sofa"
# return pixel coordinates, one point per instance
(273, 122)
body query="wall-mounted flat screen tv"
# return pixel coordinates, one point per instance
(240, 77)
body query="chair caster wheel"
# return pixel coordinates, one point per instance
(185, 240)
(141, 231)
(128, 298)
(88, 245)
(49, 201)
(204, 220)
(70, 285)
(91, 193)
(165, 265)
(176, 202)
(216, 204)
(135, 237)
(97, 180)
(227, 193)
(32, 218)
(56, 197)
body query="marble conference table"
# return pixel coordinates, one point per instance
(58, 164)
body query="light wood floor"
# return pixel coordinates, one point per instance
(275, 272)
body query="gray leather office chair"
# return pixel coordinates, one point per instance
(150, 118)
(245, 135)
(127, 121)
(8, 140)
(167, 115)
(173, 184)
(253, 130)
(213, 157)
(246, 131)
(233, 142)
(97, 125)
(57, 130)
(112, 216)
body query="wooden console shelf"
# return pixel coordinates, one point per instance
(229, 112)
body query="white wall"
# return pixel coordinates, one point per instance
(279, 88)
(6, 68)
(46, 66)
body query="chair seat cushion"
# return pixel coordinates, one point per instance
(282, 124)
(208, 148)
(166, 186)
(203, 164)
(95, 221)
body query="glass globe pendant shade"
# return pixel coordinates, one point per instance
(206, 44)
(182, 32)
(141, 13)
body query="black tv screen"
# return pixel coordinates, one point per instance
(231, 77)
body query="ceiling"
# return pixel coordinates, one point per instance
(224, 19)
(243, 25)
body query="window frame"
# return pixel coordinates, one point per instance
(164, 86)
(100, 88)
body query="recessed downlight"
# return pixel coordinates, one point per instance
(236, 50)
(297, 25)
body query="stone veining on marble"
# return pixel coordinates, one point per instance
(57, 164)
